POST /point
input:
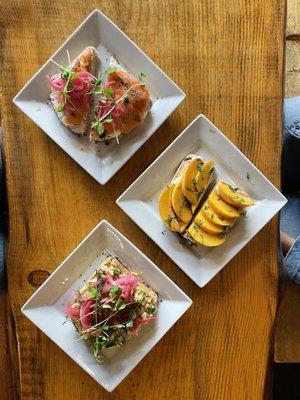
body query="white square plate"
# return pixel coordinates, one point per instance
(44, 308)
(100, 161)
(201, 137)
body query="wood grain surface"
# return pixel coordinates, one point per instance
(292, 65)
(228, 58)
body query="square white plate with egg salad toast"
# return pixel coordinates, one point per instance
(201, 201)
(110, 292)
(99, 97)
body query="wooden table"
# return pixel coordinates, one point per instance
(228, 58)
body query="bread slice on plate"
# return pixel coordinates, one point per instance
(199, 206)
(72, 91)
(111, 307)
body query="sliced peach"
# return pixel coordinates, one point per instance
(232, 196)
(214, 217)
(180, 204)
(205, 238)
(188, 181)
(166, 211)
(204, 176)
(207, 225)
(221, 206)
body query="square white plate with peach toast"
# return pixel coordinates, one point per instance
(201, 221)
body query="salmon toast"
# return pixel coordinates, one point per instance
(72, 91)
(122, 106)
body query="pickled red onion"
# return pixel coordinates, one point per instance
(84, 313)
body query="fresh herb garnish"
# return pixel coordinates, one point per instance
(110, 70)
(129, 324)
(141, 76)
(232, 188)
(97, 86)
(169, 220)
(98, 126)
(120, 305)
(59, 108)
(66, 73)
(151, 310)
(94, 293)
(115, 291)
(108, 120)
(107, 92)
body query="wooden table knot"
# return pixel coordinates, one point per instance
(38, 277)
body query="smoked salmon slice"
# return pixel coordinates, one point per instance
(123, 104)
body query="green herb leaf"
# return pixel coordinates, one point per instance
(110, 70)
(151, 310)
(93, 292)
(141, 76)
(98, 126)
(169, 220)
(59, 108)
(105, 327)
(115, 291)
(107, 92)
(129, 324)
(66, 73)
(97, 86)
(132, 315)
(120, 305)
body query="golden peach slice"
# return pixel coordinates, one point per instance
(204, 176)
(214, 217)
(180, 204)
(221, 206)
(205, 238)
(207, 225)
(188, 181)
(166, 211)
(232, 196)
